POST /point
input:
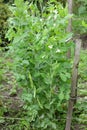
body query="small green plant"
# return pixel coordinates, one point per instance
(39, 47)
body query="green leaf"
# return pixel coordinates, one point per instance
(84, 24)
(39, 103)
(32, 85)
(61, 95)
(63, 77)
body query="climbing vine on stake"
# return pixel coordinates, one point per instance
(40, 64)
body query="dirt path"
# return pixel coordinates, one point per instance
(10, 102)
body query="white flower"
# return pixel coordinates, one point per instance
(55, 11)
(58, 50)
(41, 20)
(55, 16)
(54, 25)
(49, 17)
(50, 46)
(43, 56)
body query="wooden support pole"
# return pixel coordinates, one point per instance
(74, 79)
(70, 11)
(69, 27)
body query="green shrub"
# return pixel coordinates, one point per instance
(80, 12)
(40, 64)
(4, 15)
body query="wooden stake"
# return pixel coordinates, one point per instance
(73, 94)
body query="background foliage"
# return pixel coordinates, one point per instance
(80, 13)
(4, 15)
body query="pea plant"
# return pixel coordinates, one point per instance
(42, 69)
